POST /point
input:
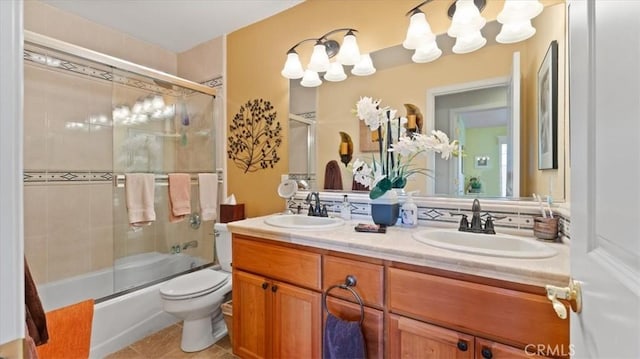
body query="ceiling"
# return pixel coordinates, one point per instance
(176, 25)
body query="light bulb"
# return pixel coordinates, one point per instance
(292, 67)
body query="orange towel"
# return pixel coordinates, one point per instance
(139, 192)
(208, 184)
(179, 196)
(69, 332)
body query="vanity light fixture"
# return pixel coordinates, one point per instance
(515, 18)
(420, 37)
(466, 23)
(324, 49)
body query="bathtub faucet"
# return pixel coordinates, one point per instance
(193, 244)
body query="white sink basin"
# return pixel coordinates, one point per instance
(494, 245)
(303, 222)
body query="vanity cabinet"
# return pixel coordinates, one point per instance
(410, 311)
(414, 339)
(433, 312)
(487, 349)
(276, 301)
(370, 288)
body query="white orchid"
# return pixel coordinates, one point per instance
(370, 112)
(394, 166)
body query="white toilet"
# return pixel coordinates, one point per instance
(196, 298)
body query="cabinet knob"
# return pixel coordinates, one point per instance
(462, 345)
(486, 353)
(274, 288)
(265, 285)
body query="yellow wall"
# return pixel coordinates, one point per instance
(256, 54)
(534, 180)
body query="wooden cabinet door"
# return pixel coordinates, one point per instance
(295, 321)
(250, 303)
(487, 349)
(412, 339)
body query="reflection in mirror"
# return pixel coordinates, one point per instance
(479, 120)
(302, 131)
(399, 81)
(485, 118)
(302, 137)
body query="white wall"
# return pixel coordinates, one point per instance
(11, 230)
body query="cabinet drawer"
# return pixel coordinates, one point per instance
(514, 317)
(286, 264)
(370, 279)
(410, 338)
(488, 349)
(372, 327)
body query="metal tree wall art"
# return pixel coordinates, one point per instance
(255, 136)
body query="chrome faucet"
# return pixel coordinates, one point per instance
(315, 209)
(476, 220)
(190, 244)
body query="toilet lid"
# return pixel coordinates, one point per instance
(199, 282)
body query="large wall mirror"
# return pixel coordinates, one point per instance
(470, 97)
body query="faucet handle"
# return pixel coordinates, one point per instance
(488, 223)
(323, 212)
(488, 226)
(464, 221)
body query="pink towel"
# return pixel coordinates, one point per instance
(208, 183)
(139, 192)
(179, 196)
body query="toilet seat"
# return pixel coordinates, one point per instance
(194, 284)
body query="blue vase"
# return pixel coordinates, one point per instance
(385, 209)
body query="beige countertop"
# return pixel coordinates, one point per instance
(398, 245)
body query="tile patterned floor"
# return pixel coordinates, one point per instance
(165, 344)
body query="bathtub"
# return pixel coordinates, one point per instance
(124, 319)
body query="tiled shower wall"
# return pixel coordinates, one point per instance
(66, 218)
(69, 196)
(75, 219)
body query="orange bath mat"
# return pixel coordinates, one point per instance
(69, 332)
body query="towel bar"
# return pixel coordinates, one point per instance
(349, 282)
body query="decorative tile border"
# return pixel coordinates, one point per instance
(516, 214)
(214, 82)
(307, 115)
(66, 176)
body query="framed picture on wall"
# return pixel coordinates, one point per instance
(548, 109)
(482, 162)
(368, 140)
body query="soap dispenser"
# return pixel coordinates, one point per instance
(409, 212)
(345, 210)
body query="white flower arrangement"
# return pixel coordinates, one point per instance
(394, 166)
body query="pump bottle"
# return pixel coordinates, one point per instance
(409, 212)
(345, 210)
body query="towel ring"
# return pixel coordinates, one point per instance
(349, 282)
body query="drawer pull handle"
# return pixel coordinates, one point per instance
(462, 345)
(265, 285)
(486, 353)
(274, 288)
(349, 282)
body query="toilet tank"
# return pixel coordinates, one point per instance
(223, 246)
